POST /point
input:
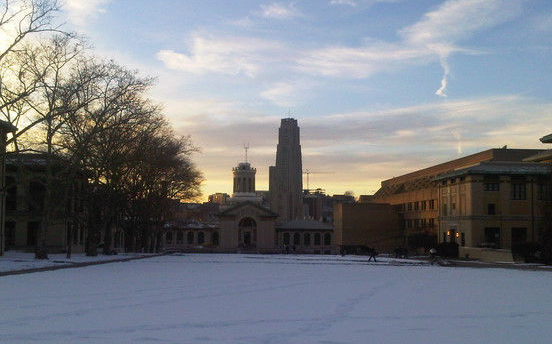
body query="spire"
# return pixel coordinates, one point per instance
(246, 147)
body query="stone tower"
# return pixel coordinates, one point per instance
(286, 178)
(244, 183)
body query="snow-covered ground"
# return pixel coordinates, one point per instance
(275, 299)
(16, 260)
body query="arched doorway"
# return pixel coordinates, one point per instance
(247, 232)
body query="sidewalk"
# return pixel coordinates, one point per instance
(15, 262)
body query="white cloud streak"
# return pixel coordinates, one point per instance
(279, 11)
(223, 55)
(79, 12)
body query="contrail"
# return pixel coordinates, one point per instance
(446, 70)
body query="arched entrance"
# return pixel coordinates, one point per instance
(247, 232)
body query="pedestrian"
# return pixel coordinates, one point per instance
(432, 254)
(372, 252)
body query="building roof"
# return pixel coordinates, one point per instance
(541, 156)
(229, 211)
(546, 139)
(500, 168)
(304, 225)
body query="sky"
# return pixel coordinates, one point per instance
(380, 88)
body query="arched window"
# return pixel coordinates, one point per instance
(215, 238)
(327, 239)
(296, 239)
(317, 239)
(179, 237)
(200, 238)
(286, 238)
(168, 237)
(306, 239)
(190, 238)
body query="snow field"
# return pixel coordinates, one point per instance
(275, 299)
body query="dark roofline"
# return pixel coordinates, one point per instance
(241, 204)
(486, 155)
(509, 168)
(546, 139)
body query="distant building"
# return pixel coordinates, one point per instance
(286, 177)
(358, 225)
(219, 198)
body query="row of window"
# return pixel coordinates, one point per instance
(420, 223)
(518, 191)
(191, 238)
(416, 206)
(307, 239)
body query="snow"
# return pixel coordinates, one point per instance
(209, 298)
(17, 260)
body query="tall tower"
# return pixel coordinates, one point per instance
(286, 178)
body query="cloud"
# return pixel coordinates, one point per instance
(363, 147)
(288, 93)
(79, 12)
(343, 2)
(435, 37)
(231, 55)
(454, 21)
(278, 10)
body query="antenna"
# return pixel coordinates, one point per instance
(289, 112)
(246, 147)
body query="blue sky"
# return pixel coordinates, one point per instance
(380, 87)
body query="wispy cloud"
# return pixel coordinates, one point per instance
(343, 2)
(435, 37)
(223, 55)
(365, 147)
(79, 12)
(278, 10)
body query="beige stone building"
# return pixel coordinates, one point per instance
(416, 196)
(492, 205)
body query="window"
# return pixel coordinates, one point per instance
(409, 206)
(409, 223)
(491, 183)
(296, 239)
(215, 238)
(518, 191)
(32, 229)
(327, 239)
(179, 237)
(541, 192)
(424, 223)
(491, 209)
(444, 182)
(431, 204)
(10, 233)
(11, 194)
(286, 238)
(168, 237)
(424, 205)
(317, 239)
(431, 223)
(492, 237)
(453, 206)
(190, 238)
(306, 239)
(445, 209)
(200, 238)
(416, 223)
(463, 239)
(416, 205)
